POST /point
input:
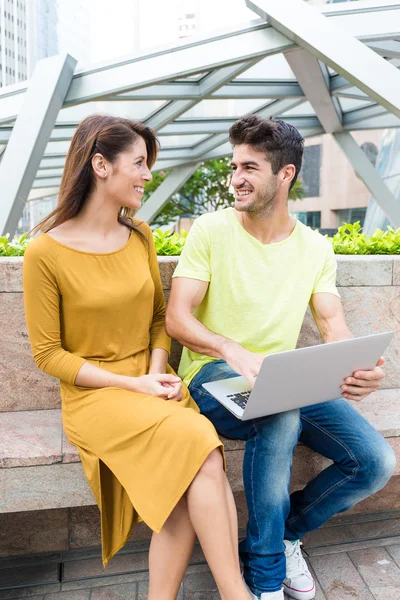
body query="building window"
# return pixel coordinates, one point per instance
(371, 152)
(311, 219)
(310, 171)
(350, 215)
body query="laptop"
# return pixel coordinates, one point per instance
(301, 377)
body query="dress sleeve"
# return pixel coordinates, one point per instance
(158, 335)
(42, 312)
(326, 282)
(194, 262)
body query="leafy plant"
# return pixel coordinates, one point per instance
(350, 239)
(168, 243)
(16, 247)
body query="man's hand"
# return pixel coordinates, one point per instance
(363, 383)
(243, 361)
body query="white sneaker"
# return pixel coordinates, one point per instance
(299, 582)
(265, 595)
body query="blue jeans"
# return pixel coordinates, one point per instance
(363, 462)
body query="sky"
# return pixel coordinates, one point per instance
(133, 26)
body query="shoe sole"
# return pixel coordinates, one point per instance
(299, 594)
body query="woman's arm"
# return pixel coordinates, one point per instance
(158, 360)
(42, 311)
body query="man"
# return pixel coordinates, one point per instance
(240, 292)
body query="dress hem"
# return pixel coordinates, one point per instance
(183, 488)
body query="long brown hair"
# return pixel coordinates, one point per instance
(108, 136)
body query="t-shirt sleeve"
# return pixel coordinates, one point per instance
(42, 311)
(327, 279)
(194, 261)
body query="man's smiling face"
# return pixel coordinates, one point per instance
(253, 181)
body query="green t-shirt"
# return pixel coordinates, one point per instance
(258, 293)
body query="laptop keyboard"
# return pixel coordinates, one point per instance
(240, 399)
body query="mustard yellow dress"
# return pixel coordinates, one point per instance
(139, 453)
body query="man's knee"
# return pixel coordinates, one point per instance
(377, 467)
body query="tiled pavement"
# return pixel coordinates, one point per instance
(350, 560)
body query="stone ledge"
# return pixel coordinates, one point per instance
(396, 271)
(31, 438)
(49, 476)
(369, 270)
(365, 271)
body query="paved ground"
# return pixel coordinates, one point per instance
(350, 560)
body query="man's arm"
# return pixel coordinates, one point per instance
(327, 310)
(186, 295)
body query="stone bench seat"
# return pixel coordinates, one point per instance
(40, 469)
(45, 501)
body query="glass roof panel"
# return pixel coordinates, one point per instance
(272, 67)
(175, 141)
(303, 109)
(223, 108)
(133, 109)
(192, 78)
(57, 148)
(352, 103)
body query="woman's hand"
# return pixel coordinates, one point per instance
(175, 391)
(161, 385)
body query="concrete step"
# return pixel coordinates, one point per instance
(75, 570)
(40, 469)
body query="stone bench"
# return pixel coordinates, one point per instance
(41, 479)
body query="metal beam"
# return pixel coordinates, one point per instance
(165, 191)
(39, 193)
(271, 110)
(225, 149)
(176, 62)
(240, 43)
(52, 182)
(196, 126)
(208, 85)
(313, 77)
(275, 90)
(44, 98)
(361, 114)
(360, 65)
(385, 121)
(368, 174)
(389, 48)
(370, 22)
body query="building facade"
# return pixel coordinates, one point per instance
(42, 19)
(334, 193)
(14, 47)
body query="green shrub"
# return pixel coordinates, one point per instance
(16, 247)
(168, 243)
(349, 239)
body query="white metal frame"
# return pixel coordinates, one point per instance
(214, 68)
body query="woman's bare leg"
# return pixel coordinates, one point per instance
(209, 508)
(210, 503)
(233, 520)
(170, 552)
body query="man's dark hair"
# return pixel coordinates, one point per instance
(281, 143)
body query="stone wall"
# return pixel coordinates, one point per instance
(370, 289)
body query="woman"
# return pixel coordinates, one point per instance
(95, 313)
